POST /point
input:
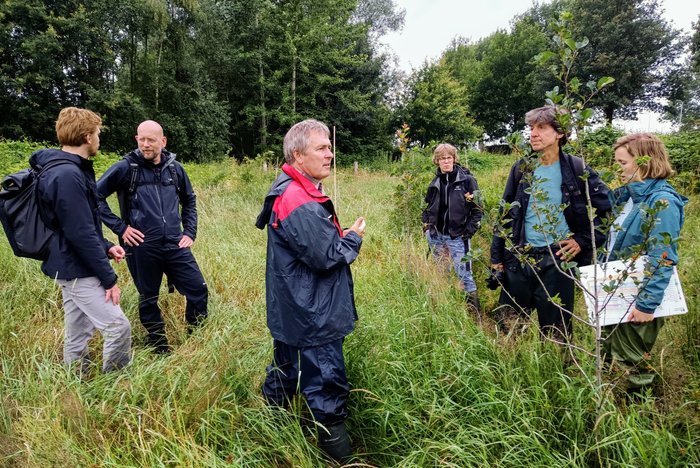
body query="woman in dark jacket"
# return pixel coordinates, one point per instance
(452, 215)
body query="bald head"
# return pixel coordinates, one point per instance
(151, 141)
(150, 126)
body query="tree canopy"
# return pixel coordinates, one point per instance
(231, 76)
(219, 75)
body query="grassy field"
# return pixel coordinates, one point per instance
(430, 385)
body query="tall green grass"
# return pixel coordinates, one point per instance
(430, 385)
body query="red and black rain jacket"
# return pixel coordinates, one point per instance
(309, 288)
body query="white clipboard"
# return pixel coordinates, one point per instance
(616, 305)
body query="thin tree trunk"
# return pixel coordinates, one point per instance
(261, 80)
(160, 55)
(294, 86)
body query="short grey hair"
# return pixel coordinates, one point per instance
(444, 149)
(297, 138)
(548, 115)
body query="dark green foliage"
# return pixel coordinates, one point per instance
(684, 101)
(437, 108)
(221, 76)
(502, 61)
(631, 42)
(598, 144)
(52, 55)
(684, 152)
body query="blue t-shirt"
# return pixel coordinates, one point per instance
(544, 221)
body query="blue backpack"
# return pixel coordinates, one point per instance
(22, 215)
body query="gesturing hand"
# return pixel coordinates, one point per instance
(358, 227)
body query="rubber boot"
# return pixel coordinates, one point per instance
(473, 301)
(157, 340)
(335, 442)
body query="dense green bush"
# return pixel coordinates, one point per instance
(684, 151)
(416, 171)
(598, 144)
(14, 155)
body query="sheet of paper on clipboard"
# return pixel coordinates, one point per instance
(617, 304)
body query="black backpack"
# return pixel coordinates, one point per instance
(22, 215)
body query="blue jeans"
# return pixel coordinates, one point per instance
(443, 246)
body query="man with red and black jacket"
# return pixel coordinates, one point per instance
(309, 288)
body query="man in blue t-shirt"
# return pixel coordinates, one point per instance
(548, 224)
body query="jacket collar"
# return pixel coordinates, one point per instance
(462, 173)
(42, 157)
(305, 183)
(166, 158)
(640, 191)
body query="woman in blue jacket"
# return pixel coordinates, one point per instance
(644, 168)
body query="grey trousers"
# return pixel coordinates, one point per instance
(85, 310)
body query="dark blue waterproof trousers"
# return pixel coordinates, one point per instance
(316, 372)
(147, 264)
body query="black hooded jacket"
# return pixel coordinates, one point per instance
(154, 207)
(573, 194)
(69, 196)
(463, 215)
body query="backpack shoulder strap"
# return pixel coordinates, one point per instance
(173, 174)
(124, 197)
(133, 177)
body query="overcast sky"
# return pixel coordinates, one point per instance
(431, 25)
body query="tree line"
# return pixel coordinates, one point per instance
(230, 76)
(495, 80)
(220, 75)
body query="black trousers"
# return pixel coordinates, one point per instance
(316, 372)
(524, 282)
(147, 264)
